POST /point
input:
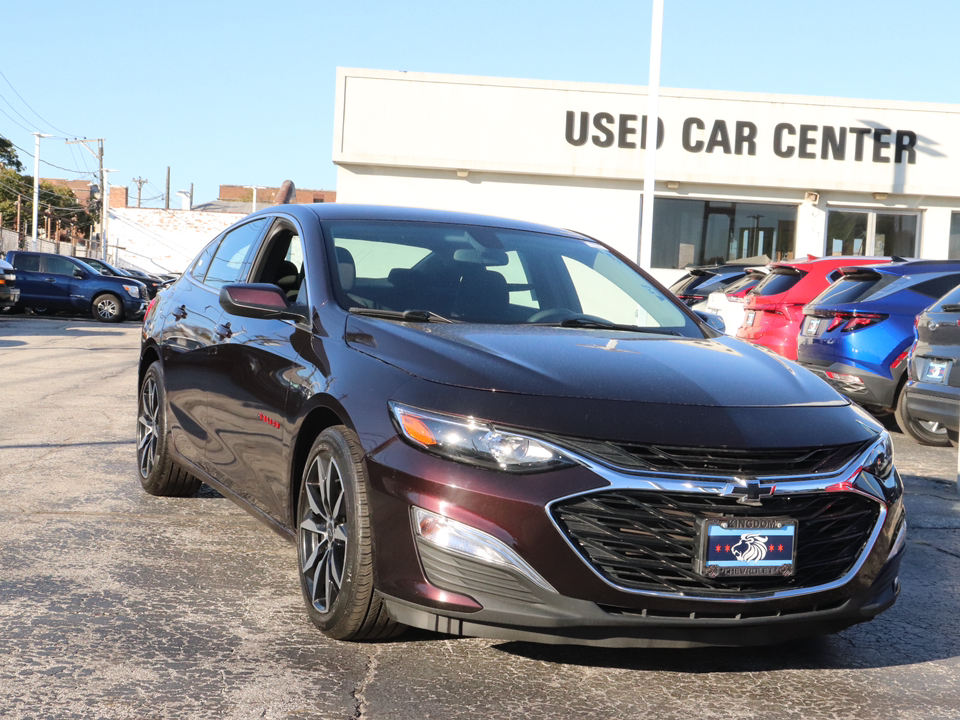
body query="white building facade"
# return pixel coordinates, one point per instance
(738, 174)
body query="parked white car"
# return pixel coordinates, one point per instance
(729, 302)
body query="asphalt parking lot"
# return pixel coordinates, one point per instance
(117, 604)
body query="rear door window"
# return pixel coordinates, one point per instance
(936, 287)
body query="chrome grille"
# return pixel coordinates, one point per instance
(717, 461)
(648, 540)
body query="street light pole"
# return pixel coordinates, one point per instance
(36, 183)
(253, 207)
(104, 212)
(645, 254)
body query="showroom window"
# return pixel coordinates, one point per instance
(709, 232)
(871, 233)
(954, 252)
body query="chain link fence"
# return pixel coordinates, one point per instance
(10, 240)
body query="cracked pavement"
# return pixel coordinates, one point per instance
(116, 604)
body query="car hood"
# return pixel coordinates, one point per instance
(594, 364)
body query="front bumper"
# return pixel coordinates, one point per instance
(433, 588)
(134, 308)
(9, 296)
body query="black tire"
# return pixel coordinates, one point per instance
(923, 431)
(334, 552)
(159, 475)
(108, 308)
(43, 311)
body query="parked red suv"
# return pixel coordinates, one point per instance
(774, 308)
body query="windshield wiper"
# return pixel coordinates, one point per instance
(405, 315)
(604, 325)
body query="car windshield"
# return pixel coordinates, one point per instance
(478, 274)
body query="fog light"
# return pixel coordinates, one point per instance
(460, 539)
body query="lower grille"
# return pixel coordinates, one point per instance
(647, 541)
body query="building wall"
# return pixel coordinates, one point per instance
(267, 194)
(158, 240)
(572, 154)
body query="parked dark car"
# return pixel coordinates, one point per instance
(858, 332)
(699, 282)
(49, 283)
(9, 293)
(153, 284)
(500, 429)
(931, 397)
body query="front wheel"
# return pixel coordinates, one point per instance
(107, 308)
(925, 432)
(334, 550)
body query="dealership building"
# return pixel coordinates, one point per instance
(738, 174)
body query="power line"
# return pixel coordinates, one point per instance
(29, 154)
(31, 109)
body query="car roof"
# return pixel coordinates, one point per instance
(914, 267)
(325, 212)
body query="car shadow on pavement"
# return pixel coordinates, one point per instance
(27, 325)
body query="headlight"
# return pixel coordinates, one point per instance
(133, 290)
(879, 462)
(472, 441)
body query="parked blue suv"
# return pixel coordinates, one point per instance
(857, 333)
(50, 282)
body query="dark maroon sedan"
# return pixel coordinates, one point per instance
(492, 428)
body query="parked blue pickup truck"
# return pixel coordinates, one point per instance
(50, 282)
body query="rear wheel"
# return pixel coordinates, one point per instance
(159, 475)
(108, 308)
(334, 551)
(924, 432)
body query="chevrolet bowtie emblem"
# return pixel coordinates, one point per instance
(748, 490)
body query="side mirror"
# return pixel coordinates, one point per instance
(257, 300)
(713, 321)
(79, 274)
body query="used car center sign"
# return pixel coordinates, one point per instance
(584, 130)
(742, 138)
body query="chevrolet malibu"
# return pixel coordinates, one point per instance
(491, 428)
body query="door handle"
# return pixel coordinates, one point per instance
(50, 280)
(180, 313)
(224, 331)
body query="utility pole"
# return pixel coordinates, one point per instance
(166, 197)
(36, 182)
(140, 183)
(103, 190)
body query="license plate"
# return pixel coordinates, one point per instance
(813, 324)
(738, 547)
(750, 316)
(936, 371)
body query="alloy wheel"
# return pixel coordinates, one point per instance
(108, 308)
(323, 533)
(147, 433)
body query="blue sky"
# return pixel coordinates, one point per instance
(243, 92)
